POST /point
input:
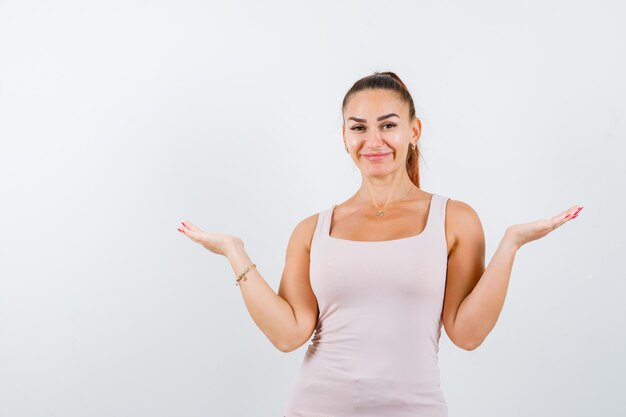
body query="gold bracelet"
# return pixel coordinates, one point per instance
(243, 274)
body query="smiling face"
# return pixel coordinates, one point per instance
(377, 131)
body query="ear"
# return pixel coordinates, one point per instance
(416, 128)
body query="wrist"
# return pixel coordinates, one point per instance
(233, 247)
(509, 241)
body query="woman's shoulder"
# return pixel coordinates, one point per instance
(462, 219)
(460, 209)
(305, 228)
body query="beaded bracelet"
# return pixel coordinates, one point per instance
(243, 274)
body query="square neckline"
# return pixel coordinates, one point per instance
(428, 216)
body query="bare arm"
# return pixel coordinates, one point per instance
(478, 313)
(271, 313)
(288, 318)
(475, 296)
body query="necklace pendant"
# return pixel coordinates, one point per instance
(380, 213)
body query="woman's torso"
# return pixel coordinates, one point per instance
(375, 347)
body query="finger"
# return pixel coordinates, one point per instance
(572, 214)
(577, 213)
(189, 233)
(559, 218)
(189, 226)
(565, 216)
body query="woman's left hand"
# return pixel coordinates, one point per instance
(521, 234)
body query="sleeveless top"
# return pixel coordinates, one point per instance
(375, 349)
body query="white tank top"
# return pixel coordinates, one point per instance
(375, 347)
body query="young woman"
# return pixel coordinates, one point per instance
(377, 276)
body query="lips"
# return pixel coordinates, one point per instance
(376, 156)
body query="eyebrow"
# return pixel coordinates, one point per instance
(356, 119)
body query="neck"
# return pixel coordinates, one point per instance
(383, 194)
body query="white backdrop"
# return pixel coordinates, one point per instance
(120, 119)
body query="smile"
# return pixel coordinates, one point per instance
(377, 157)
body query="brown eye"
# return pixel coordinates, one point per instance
(389, 124)
(355, 127)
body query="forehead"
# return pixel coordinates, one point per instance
(373, 103)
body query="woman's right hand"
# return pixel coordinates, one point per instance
(215, 242)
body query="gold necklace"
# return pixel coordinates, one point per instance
(380, 211)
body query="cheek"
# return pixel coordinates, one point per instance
(396, 137)
(353, 142)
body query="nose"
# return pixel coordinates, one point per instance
(374, 143)
(374, 140)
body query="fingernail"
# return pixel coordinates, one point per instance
(183, 223)
(568, 215)
(180, 231)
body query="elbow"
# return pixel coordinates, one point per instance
(286, 349)
(469, 346)
(290, 345)
(283, 347)
(286, 346)
(466, 343)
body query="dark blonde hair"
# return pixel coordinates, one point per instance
(390, 81)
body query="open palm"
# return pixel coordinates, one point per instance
(527, 232)
(215, 242)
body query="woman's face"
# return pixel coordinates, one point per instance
(377, 122)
